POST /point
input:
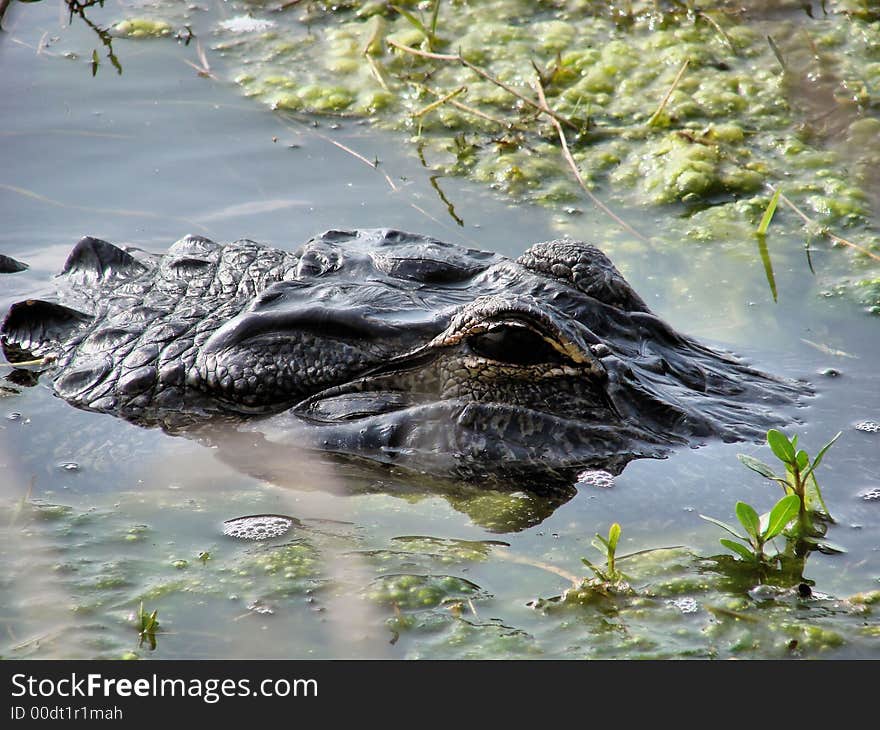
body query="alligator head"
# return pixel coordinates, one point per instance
(394, 347)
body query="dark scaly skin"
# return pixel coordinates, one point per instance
(394, 347)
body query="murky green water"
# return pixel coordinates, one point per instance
(97, 516)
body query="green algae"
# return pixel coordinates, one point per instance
(740, 115)
(734, 123)
(142, 28)
(428, 594)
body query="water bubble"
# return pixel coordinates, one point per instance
(69, 466)
(868, 426)
(14, 416)
(596, 478)
(246, 24)
(258, 606)
(870, 495)
(258, 527)
(685, 605)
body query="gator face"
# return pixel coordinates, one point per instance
(393, 347)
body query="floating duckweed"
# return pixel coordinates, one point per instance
(419, 591)
(293, 562)
(52, 512)
(448, 550)
(259, 527)
(867, 599)
(142, 28)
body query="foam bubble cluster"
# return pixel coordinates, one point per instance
(871, 495)
(258, 527)
(596, 478)
(868, 426)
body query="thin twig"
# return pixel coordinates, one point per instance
(285, 5)
(442, 100)
(376, 71)
(356, 155)
(204, 69)
(374, 165)
(723, 33)
(828, 350)
(836, 239)
(458, 58)
(523, 560)
(663, 103)
(471, 110)
(566, 153)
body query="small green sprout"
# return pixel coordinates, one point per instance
(759, 529)
(609, 573)
(148, 625)
(799, 476)
(429, 30)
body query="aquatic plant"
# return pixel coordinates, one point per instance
(799, 478)
(148, 625)
(429, 29)
(759, 529)
(609, 573)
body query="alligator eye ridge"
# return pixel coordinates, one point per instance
(514, 345)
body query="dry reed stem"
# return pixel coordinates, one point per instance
(457, 58)
(836, 239)
(672, 88)
(566, 153)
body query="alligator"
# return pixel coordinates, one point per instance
(394, 347)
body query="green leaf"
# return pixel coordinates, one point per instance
(768, 213)
(725, 526)
(434, 17)
(785, 510)
(749, 519)
(781, 446)
(759, 466)
(825, 546)
(95, 62)
(818, 459)
(740, 550)
(815, 503)
(802, 459)
(794, 441)
(613, 537)
(413, 20)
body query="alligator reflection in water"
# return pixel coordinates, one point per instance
(394, 348)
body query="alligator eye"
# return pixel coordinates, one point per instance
(515, 345)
